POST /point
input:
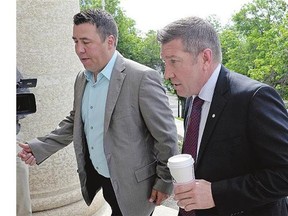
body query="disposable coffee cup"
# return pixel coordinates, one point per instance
(181, 167)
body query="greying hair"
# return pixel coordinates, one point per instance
(196, 35)
(103, 21)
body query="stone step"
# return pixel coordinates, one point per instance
(159, 211)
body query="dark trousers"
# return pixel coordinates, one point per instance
(109, 195)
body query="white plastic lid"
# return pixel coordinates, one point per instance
(180, 160)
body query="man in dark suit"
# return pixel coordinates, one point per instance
(241, 166)
(121, 125)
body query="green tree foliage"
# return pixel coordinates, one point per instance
(256, 44)
(214, 20)
(271, 64)
(128, 39)
(235, 51)
(259, 16)
(150, 51)
(144, 50)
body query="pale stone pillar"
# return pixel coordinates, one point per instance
(45, 50)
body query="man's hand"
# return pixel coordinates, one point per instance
(157, 197)
(195, 195)
(26, 154)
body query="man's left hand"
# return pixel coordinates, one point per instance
(157, 197)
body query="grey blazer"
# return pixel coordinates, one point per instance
(139, 137)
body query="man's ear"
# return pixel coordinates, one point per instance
(111, 40)
(207, 56)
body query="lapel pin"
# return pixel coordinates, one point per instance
(213, 115)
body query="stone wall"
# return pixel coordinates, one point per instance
(45, 50)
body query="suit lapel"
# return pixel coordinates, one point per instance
(79, 90)
(187, 105)
(218, 103)
(116, 81)
(79, 134)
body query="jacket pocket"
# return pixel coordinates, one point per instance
(146, 171)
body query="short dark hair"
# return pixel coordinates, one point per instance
(103, 21)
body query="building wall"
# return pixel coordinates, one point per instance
(45, 50)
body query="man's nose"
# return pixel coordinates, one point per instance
(79, 48)
(168, 74)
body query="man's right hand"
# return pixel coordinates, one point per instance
(26, 154)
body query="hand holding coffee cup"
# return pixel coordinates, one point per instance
(181, 167)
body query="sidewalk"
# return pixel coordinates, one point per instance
(173, 101)
(159, 211)
(180, 127)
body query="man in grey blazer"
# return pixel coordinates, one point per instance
(121, 125)
(241, 166)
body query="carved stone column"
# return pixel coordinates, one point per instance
(45, 50)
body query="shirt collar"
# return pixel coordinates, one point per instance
(207, 90)
(106, 71)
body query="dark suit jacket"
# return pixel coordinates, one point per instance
(244, 149)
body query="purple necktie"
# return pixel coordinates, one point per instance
(191, 138)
